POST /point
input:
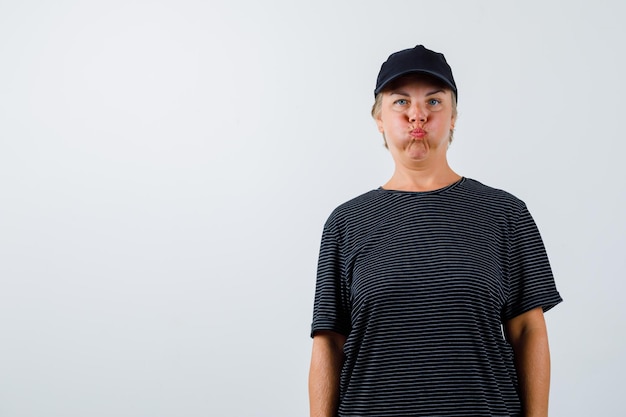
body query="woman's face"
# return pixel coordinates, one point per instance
(416, 118)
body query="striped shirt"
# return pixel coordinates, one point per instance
(420, 284)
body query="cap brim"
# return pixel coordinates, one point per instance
(414, 71)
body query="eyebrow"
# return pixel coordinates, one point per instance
(441, 90)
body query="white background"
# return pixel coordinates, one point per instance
(166, 168)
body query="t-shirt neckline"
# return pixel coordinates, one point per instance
(437, 191)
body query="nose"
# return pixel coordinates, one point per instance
(416, 113)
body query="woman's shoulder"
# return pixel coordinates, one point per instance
(356, 204)
(490, 194)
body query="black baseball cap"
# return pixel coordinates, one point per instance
(415, 60)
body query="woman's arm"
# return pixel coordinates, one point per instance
(528, 336)
(326, 362)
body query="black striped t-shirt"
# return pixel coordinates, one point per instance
(420, 283)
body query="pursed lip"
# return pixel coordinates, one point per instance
(418, 133)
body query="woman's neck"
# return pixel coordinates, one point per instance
(421, 179)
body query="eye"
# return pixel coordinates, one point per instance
(401, 102)
(434, 101)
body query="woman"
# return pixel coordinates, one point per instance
(431, 289)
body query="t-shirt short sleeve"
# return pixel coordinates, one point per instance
(331, 310)
(530, 280)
